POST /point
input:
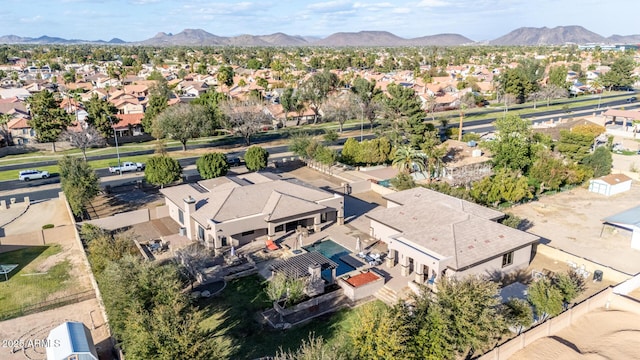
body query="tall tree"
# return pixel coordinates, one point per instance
(434, 151)
(79, 183)
(152, 316)
(48, 119)
(518, 314)
(183, 122)
(381, 334)
(620, 74)
(367, 93)
(471, 311)
(339, 108)
(101, 115)
(466, 102)
(158, 101)
(84, 139)
(506, 185)
(551, 91)
(546, 299)
(600, 161)
(403, 110)
(512, 147)
(290, 102)
(245, 117)
(211, 100)
(558, 76)
(225, 76)
(315, 90)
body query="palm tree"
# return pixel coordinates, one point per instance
(434, 151)
(407, 157)
(467, 101)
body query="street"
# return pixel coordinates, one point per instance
(49, 188)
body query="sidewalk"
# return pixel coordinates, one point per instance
(14, 211)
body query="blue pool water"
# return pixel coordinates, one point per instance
(333, 251)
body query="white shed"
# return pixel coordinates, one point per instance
(71, 340)
(610, 184)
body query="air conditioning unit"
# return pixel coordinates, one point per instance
(183, 231)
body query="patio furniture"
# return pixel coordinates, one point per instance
(271, 245)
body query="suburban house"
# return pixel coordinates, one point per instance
(610, 184)
(129, 124)
(235, 210)
(20, 131)
(71, 341)
(430, 234)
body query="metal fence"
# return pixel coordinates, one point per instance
(6, 314)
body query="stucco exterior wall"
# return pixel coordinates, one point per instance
(521, 259)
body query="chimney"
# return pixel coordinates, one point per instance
(189, 210)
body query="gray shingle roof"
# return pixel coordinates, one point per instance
(450, 227)
(229, 199)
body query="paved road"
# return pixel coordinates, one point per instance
(48, 188)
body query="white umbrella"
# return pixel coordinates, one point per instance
(233, 250)
(358, 244)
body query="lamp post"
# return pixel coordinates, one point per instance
(361, 121)
(115, 137)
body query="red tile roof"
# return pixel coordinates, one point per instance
(128, 119)
(362, 279)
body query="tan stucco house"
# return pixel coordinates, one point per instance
(236, 210)
(430, 234)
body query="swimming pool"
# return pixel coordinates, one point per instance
(333, 251)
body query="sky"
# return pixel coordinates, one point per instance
(136, 20)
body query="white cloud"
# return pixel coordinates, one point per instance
(330, 6)
(144, 2)
(402, 10)
(372, 6)
(433, 3)
(32, 20)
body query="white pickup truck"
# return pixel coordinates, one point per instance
(126, 166)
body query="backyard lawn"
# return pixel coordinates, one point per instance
(35, 278)
(236, 313)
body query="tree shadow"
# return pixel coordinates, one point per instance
(519, 275)
(21, 256)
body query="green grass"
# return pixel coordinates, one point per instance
(27, 285)
(235, 313)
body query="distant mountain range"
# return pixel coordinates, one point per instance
(525, 36)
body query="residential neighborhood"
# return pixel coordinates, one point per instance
(275, 203)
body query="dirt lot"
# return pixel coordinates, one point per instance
(601, 334)
(571, 221)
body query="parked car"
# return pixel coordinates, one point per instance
(234, 161)
(26, 175)
(126, 166)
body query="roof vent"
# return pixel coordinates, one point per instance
(189, 200)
